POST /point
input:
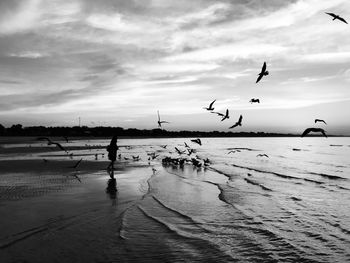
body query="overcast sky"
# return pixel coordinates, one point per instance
(116, 62)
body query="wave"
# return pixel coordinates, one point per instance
(277, 174)
(258, 184)
(328, 176)
(203, 244)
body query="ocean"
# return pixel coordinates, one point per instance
(259, 200)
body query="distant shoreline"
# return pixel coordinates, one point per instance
(107, 132)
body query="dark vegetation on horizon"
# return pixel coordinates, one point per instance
(19, 130)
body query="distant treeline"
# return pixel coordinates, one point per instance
(84, 131)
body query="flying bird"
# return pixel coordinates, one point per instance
(226, 116)
(308, 130)
(263, 72)
(160, 122)
(254, 101)
(262, 155)
(319, 120)
(210, 108)
(238, 123)
(164, 146)
(77, 164)
(186, 145)
(337, 17)
(198, 141)
(49, 142)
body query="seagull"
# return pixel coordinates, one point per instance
(262, 155)
(198, 141)
(238, 123)
(337, 17)
(319, 120)
(263, 72)
(308, 130)
(254, 100)
(226, 116)
(160, 122)
(49, 142)
(136, 158)
(186, 145)
(210, 108)
(77, 164)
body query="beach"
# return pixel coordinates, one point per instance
(292, 206)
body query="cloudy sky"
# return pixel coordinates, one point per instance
(116, 62)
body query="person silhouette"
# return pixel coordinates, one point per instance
(112, 149)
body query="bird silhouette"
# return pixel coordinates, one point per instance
(186, 145)
(238, 123)
(226, 116)
(164, 146)
(263, 72)
(50, 142)
(254, 101)
(319, 120)
(160, 122)
(337, 17)
(198, 141)
(210, 108)
(308, 130)
(262, 155)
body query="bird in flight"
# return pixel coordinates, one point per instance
(308, 130)
(210, 108)
(186, 145)
(254, 101)
(263, 72)
(319, 120)
(238, 123)
(49, 142)
(262, 155)
(198, 141)
(164, 146)
(337, 17)
(160, 122)
(226, 116)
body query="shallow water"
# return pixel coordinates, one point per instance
(292, 206)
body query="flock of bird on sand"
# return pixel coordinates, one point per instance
(206, 162)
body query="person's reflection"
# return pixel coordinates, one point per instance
(111, 189)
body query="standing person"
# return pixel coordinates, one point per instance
(112, 154)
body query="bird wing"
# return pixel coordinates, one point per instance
(342, 19)
(240, 119)
(263, 67)
(259, 78)
(60, 146)
(76, 165)
(227, 113)
(211, 104)
(324, 134)
(331, 14)
(233, 126)
(306, 132)
(158, 116)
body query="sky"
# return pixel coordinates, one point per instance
(116, 62)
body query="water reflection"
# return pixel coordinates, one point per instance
(111, 189)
